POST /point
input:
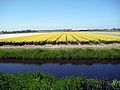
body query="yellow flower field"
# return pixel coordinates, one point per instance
(62, 38)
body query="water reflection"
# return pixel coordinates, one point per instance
(76, 62)
(108, 69)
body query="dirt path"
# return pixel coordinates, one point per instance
(64, 46)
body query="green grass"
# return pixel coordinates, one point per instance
(40, 81)
(76, 53)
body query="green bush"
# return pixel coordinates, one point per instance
(40, 81)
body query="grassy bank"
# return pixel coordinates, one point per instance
(85, 53)
(39, 81)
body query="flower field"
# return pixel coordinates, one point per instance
(61, 38)
(4, 36)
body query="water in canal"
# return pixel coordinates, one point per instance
(100, 69)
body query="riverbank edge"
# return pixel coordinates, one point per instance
(35, 81)
(60, 54)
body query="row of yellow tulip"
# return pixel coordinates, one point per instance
(65, 37)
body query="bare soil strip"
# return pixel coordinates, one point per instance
(64, 46)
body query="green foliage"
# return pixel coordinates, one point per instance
(56, 42)
(40, 81)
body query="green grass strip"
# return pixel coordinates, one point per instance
(75, 53)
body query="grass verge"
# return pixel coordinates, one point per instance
(58, 54)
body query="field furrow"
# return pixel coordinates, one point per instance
(55, 37)
(71, 40)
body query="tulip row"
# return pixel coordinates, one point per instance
(61, 38)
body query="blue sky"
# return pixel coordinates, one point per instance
(56, 14)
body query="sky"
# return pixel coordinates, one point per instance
(59, 14)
